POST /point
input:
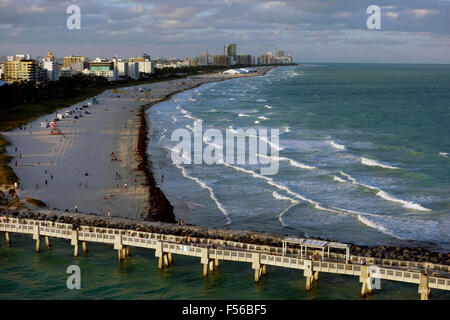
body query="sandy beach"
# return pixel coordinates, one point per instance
(74, 171)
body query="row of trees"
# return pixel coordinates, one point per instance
(13, 95)
(19, 93)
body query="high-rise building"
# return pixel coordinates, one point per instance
(20, 69)
(69, 62)
(230, 50)
(122, 68)
(222, 60)
(133, 70)
(50, 67)
(146, 67)
(244, 59)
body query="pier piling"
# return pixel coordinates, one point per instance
(309, 274)
(38, 245)
(424, 290)
(366, 289)
(8, 239)
(85, 250)
(205, 270)
(216, 263)
(47, 242)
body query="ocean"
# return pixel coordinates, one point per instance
(363, 158)
(363, 153)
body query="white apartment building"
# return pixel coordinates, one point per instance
(50, 67)
(133, 70)
(146, 67)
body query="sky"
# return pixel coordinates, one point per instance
(412, 31)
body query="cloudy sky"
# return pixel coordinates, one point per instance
(412, 31)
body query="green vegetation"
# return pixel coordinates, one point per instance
(36, 202)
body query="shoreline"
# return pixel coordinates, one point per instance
(82, 153)
(160, 208)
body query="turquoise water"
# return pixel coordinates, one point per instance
(29, 275)
(363, 148)
(330, 116)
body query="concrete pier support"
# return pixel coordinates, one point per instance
(309, 281)
(166, 259)
(258, 267)
(83, 244)
(120, 255)
(424, 290)
(263, 270)
(160, 263)
(124, 253)
(316, 275)
(36, 236)
(216, 263)
(47, 242)
(74, 242)
(38, 245)
(364, 278)
(205, 261)
(257, 274)
(205, 269)
(309, 274)
(169, 257)
(211, 265)
(128, 251)
(8, 239)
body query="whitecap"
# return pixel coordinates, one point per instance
(204, 186)
(384, 195)
(374, 163)
(290, 161)
(337, 145)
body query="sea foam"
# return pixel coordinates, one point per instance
(384, 195)
(374, 163)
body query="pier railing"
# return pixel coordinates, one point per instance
(212, 251)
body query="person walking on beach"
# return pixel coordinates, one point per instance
(109, 213)
(162, 178)
(46, 182)
(51, 177)
(125, 186)
(15, 149)
(76, 208)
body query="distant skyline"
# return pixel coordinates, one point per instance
(412, 31)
